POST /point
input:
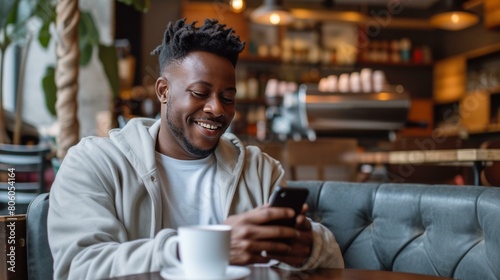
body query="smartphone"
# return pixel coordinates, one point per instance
(288, 197)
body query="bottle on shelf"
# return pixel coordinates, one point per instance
(252, 87)
(405, 48)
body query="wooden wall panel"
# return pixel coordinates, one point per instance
(421, 110)
(475, 111)
(492, 14)
(450, 79)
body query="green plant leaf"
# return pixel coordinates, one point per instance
(50, 89)
(87, 31)
(44, 35)
(6, 9)
(85, 53)
(109, 60)
(126, 2)
(88, 37)
(139, 5)
(11, 15)
(12, 18)
(45, 10)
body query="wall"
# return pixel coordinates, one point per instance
(153, 27)
(475, 37)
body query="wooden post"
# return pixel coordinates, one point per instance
(68, 15)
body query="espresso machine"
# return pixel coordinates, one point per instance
(309, 112)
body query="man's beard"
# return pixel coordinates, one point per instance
(177, 131)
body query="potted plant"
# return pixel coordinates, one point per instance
(14, 30)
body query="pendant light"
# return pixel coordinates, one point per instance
(455, 18)
(237, 6)
(272, 12)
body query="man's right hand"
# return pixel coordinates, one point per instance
(254, 242)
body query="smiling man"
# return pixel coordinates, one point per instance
(115, 201)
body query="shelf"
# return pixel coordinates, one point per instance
(492, 128)
(251, 101)
(360, 64)
(259, 59)
(393, 64)
(489, 90)
(493, 90)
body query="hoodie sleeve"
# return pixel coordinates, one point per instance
(86, 230)
(325, 253)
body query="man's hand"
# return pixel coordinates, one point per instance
(254, 242)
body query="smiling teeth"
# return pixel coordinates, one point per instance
(206, 125)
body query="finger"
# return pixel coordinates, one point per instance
(265, 250)
(305, 208)
(297, 255)
(305, 238)
(302, 223)
(246, 258)
(256, 247)
(268, 232)
(274, 247)
(245, 252)
(260, 215)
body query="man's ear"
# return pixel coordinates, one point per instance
(161, 89)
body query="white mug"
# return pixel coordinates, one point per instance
(203, 250)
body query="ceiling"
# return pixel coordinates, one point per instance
(409, 13)
(418, 4)
(407, 8)
(415, 6)
(403, 13)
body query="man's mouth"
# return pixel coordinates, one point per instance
(208, 126)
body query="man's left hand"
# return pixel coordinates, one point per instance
(301, 246)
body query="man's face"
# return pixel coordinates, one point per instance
(199, 92)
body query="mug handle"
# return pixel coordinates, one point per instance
(171, 251)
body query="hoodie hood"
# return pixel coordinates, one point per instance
(137, 141)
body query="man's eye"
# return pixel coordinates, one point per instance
(227, 100)
(198, 94)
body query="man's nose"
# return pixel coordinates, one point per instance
(214, 106)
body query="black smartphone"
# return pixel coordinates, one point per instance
(288, 197)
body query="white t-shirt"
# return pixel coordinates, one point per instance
(189, 194)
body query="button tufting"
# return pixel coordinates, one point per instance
(153, 179)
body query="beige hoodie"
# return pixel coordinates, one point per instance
(105, 206)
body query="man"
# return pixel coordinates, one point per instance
(117, 200)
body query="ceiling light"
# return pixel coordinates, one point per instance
(456, 18)
(272, 12)
(237, 6)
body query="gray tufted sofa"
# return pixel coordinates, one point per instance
(440, 230)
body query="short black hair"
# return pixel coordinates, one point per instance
(181, 38)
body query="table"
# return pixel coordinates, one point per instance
(267, 273)
(478, 158)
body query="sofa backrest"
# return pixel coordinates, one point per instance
(449, 231)
(40, 259)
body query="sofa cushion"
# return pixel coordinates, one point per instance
(428, 229)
